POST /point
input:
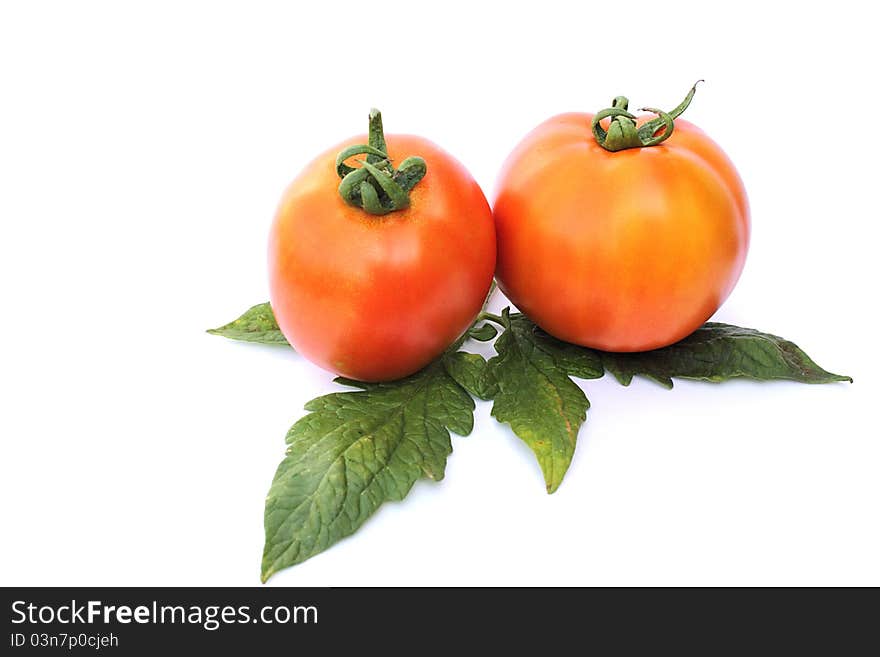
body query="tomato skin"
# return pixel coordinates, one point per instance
(376, 298)
(624, 251)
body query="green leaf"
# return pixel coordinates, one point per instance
(256, 325)
(483, 333)
(535, 395)
(718, 352)
(354, 451)
(471, 372)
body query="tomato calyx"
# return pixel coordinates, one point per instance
(376, 186)
(622, 132)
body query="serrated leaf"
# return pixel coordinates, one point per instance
(257, 324)
(718, 352)
(535, 395)
(572, 359)
(354, 451)
(470, 371)
(483, 333)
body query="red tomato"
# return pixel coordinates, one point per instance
(621, 251)
(376, 298)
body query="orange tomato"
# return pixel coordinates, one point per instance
(376, 298)
(620, 251)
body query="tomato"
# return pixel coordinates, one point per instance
(620, 251)
(378, 297)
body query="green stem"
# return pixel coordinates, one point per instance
(376, 135)
(622, 132)
(376, 187)
(497, 319)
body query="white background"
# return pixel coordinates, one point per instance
(143, 147)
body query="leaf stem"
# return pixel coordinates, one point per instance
(483, 316)
(623, 132)
(376, 186)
